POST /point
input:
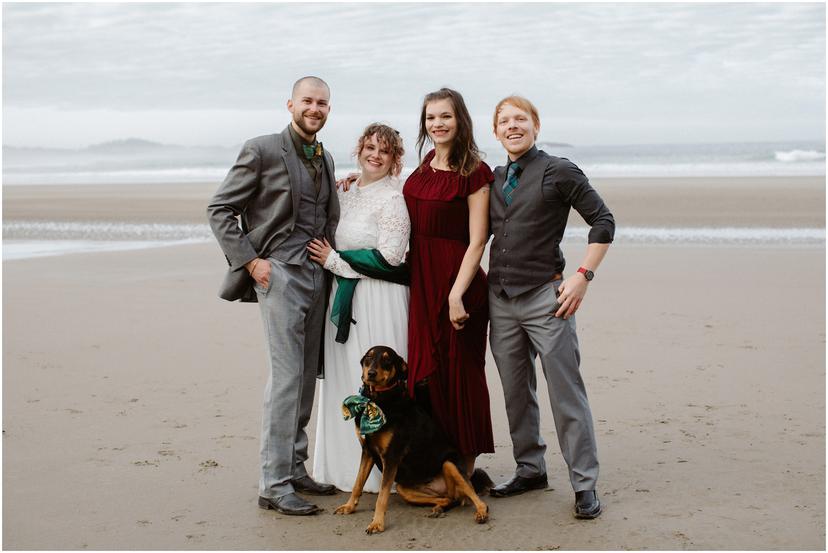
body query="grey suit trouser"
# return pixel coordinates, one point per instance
(521, 328)
(293, 313)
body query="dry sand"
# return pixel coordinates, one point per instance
(132, 397)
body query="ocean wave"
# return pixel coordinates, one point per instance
(709, 235)
(124, 176)
(53, 236)
(808, 168)
(799, 155)
(27, 249)
(104, 231)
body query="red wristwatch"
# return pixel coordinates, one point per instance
(589, 275)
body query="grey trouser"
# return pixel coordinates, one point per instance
(525, 326)
(293, 312)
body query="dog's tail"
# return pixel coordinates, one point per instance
(481, 482)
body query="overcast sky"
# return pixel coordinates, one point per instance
(198, 74)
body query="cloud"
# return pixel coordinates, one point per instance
(581, 60)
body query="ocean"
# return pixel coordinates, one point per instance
(136, 161)
(139, 161)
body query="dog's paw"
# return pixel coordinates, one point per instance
(436, 512)
(375, 527)
(481, 516)
(346, 509)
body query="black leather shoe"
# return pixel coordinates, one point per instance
(290, 504)
(518, 485)
(308, 485)
(587, 504)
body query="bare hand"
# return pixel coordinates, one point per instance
(260, 271)
(457, 313)
(345, 184)
(319, 250)
(570, 295)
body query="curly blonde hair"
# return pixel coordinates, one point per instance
(387, 137)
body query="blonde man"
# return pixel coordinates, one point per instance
(532, 306)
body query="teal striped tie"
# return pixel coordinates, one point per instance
(512, 174)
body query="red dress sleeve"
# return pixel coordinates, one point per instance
(479, 178)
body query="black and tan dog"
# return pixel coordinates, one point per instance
(409, 448)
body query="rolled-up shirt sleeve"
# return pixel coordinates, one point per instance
(574, 187)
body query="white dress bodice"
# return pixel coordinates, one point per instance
(373, 216)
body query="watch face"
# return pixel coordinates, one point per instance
(589, 275)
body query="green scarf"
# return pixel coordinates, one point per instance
(372, 264)
(370, 416)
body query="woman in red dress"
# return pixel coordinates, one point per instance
(448, 204)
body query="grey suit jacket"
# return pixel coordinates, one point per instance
(262, 190)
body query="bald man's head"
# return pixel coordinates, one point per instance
(314, 81)
(309, 105)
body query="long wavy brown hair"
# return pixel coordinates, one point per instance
(464, 156)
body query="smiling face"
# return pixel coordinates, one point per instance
(309, 107)
(516, 130)
(440, 121)
(375, 159)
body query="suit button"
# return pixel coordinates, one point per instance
(505, 235)
(507, 220)
(503, 250)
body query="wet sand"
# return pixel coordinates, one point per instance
(132, 396)
(668, 202)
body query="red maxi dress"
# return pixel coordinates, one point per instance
(452, 360)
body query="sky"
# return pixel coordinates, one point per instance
(217, 74)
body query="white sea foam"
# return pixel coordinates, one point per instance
(102, 231)
(799, 155)
(709, 235)
(26, 249)
(701, 169)
(23, 240)
(126, 176)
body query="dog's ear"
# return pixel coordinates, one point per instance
(402, 366)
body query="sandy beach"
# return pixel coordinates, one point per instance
(132, 394)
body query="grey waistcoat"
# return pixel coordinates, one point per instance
(310, 219)
(523, 251)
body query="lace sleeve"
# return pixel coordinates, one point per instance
(339, 266)
(394, 229)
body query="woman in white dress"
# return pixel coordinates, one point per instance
(373, 216)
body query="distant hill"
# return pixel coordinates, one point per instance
(545, 144)
(129, 145)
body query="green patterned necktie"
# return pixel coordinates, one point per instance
(312, 150)
(512, 174)
(370, 416)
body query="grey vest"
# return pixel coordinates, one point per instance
(310, 219)
(525, 251)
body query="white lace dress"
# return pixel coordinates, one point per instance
(371, 217)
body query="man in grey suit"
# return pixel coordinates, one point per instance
(282, 191)
(532, 308)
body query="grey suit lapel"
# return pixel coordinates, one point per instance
(330, 170)
(292, 163)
